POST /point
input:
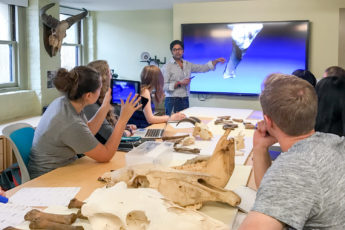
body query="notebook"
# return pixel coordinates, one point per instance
(150, 133)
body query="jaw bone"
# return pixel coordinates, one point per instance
(142, 208)
(187, 189)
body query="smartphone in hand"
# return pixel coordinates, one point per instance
(144, 101)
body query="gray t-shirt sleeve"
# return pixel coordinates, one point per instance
(79, 137)
(106, 128)
(288, 193)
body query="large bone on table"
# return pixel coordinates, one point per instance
(220, 165)
(41, 223)
(62, 219)
(182, 187)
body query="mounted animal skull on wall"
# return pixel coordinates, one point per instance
(54, 30)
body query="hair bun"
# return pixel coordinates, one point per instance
(63, 81)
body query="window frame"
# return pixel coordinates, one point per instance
(13, 44)
(79, 39)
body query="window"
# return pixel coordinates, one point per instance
(8, 46)
(71, 48)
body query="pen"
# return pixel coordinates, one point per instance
(3, 199)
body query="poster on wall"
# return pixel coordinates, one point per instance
(50, 77)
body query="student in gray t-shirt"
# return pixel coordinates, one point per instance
(304, 187)
(64, 131)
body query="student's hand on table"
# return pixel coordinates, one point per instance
(132, 127)
(127, 133)
(130, 130)
(177, 116)
(262, 139)
(129, 107)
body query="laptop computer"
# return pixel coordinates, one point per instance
(150, 134)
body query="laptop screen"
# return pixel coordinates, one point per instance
(122, 88)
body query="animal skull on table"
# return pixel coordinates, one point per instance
(124, 208)
(54, 30)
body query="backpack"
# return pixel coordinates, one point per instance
(10, 177)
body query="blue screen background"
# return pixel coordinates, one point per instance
(278, 47)
(121, 90)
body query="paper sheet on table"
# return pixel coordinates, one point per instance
(44, 196)
(12, 214)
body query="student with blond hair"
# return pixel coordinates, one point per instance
(102, 67)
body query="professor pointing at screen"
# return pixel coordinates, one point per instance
(177, 78)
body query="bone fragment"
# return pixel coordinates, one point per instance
(80, 215)
(62, 219)
(196, 119)
(249, 126)
(41, 223)
(230, 126)
(174, 137)
(185, 150)
(239, 141)
(75, 203)
(188, 141)
(218, 121)
(224, 117)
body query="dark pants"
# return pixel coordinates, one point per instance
(175, 104)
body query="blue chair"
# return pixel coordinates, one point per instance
(20, 136)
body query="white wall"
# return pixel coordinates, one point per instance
(342, 38)
(123, 35)
(324, 17)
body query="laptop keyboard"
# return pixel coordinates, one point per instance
(154, 133)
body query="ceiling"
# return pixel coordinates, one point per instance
(112, 5)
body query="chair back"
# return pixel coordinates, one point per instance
(20, 136)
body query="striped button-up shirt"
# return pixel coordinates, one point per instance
(173, 73)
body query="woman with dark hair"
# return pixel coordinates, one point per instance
(305, 75)
(331, 105)
(152, 80)
(110, 120)
(64, 132)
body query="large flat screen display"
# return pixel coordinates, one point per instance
(252, 51)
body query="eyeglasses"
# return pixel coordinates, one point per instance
(178, 49)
